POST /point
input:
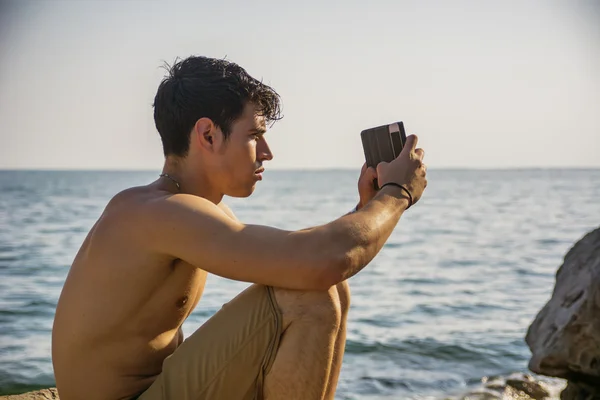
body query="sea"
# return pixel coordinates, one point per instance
(444, 306)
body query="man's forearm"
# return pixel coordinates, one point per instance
(360, 235)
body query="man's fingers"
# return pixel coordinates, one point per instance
(363, 169)
(411, 143)
(420, 153)
(371, 173)
(368, 175)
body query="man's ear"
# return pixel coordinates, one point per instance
(204, 133)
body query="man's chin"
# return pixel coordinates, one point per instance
(243, 192)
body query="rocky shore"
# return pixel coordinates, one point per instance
(516, 386)
(564, 339)
(44, 394)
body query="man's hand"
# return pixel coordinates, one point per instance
(407, 169)
(366, 189)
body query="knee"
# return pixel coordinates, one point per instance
(316, 307)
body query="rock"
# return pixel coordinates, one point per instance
(564, 338)
(528, 386)
(514, 387)
(579, 391)
(43, 394)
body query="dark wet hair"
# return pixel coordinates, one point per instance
(198, 87)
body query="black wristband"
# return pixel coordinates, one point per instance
(410, 199)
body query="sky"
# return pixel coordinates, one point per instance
(484, 84)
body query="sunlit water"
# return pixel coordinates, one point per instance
(446, 302)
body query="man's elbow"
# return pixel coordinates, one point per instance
(332, 272)
(341, 256)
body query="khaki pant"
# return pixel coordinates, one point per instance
(227, 357)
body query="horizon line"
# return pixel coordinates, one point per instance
(298, 169)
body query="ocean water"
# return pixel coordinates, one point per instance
(445, 303)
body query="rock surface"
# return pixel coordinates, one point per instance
(37, 395)
(564, 338)
(514, 387)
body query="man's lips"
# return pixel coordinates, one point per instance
(258, 173)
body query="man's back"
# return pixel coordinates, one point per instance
(122, 306)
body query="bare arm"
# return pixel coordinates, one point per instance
(195, 230)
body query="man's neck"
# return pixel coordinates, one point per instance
(185, 179)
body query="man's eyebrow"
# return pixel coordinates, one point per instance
(259, 131)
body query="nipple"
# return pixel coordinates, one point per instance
(182, 301)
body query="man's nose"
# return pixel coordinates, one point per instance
(263, 151)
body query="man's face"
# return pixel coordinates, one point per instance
(242, 154)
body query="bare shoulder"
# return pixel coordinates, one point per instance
(143, 205)
(140, 211)
(163, 217)
(148, 220)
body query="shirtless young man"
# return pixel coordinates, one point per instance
(142, 268)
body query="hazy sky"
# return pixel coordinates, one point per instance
(483, 83)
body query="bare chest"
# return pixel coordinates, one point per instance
(174, 298)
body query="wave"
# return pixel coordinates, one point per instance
(424, 348)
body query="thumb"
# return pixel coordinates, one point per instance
(411, 144)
